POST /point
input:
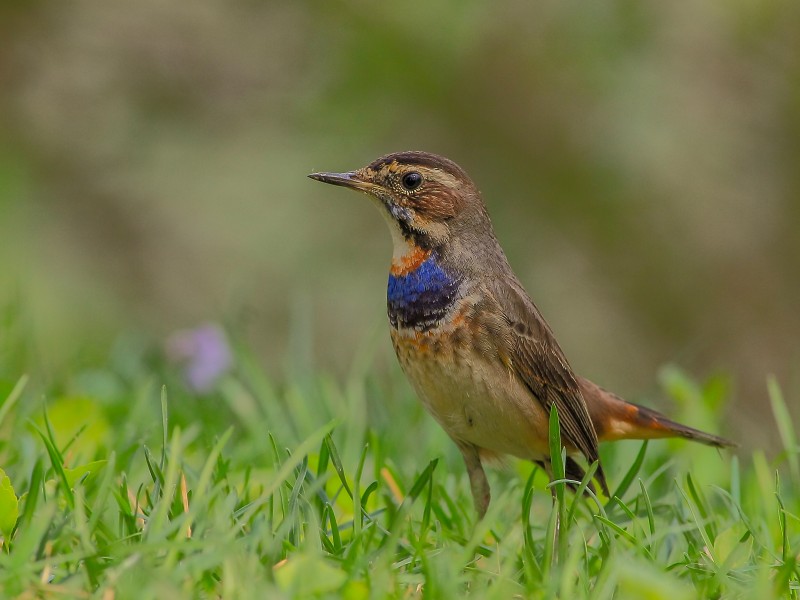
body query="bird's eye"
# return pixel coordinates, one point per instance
(411, 181)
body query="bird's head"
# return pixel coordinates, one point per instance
(428, 200)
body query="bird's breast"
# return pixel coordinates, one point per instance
(420, 292)
(463, 382)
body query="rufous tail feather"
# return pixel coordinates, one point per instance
(617, 419)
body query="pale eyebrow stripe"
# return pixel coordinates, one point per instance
(441, 176)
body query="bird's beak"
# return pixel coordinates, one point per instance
(351, 180)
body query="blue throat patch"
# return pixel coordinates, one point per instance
(421, 297)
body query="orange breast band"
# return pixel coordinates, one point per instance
(410, 262)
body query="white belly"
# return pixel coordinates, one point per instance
(473, 396)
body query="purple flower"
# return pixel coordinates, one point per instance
(204, 354)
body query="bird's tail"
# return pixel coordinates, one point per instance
(616, 419)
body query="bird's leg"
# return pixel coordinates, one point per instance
(477, 477)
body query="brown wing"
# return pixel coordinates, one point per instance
(539, 362)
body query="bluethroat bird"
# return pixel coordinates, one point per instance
(476, 349)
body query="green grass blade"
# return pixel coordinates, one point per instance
(631, 474)
(785, 428)
(13, 397)
(57, 462)
(337, 465)
(651, 518)
(32, 497)
(556, 450)
(422, 480)
(164, 427)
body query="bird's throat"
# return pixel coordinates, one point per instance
(420, 291)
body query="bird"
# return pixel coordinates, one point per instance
(475, 348)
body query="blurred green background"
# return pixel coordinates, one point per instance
(641, 162)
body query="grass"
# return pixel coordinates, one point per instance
(118, 482)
